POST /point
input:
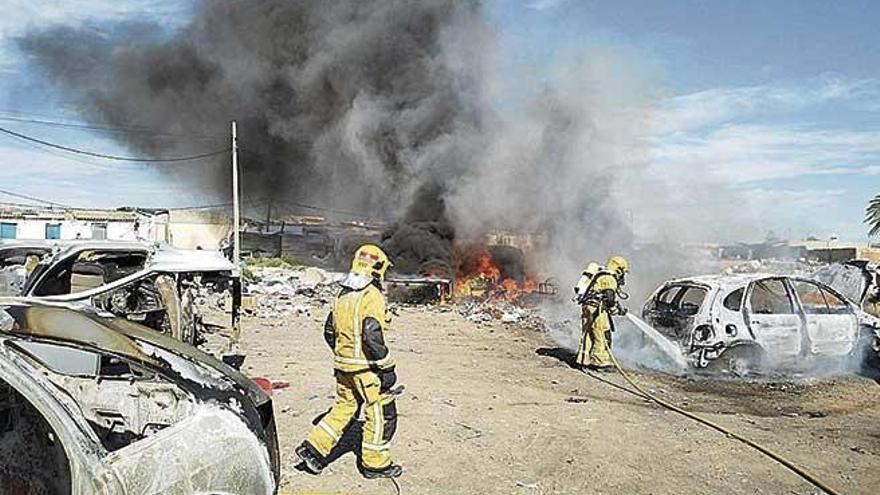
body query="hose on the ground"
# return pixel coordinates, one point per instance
(802, 472)
(396, 485)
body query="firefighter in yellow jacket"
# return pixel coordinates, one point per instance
(598, 292)
(364, 370)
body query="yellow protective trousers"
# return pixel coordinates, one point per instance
(596, 341)
(354, 390)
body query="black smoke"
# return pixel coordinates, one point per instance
(381, 108)
(422, 241)
(349, 104)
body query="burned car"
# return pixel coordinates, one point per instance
(93, 404)
(742, 323)
(858, 280)
(17, 260)
(151, 284)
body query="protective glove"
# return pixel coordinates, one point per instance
(387, 379)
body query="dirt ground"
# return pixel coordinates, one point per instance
(496, 409)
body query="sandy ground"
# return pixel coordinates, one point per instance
(496, 409)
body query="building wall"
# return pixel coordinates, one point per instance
(191, 235)
(30, 229)
(191, 229)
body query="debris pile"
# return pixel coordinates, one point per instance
(493, 310)
(781, 267)
(280, 290)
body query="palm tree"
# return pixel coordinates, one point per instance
(872, 215)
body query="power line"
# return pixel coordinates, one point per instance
(110, 129)
(31, 198)
(321, 208)
(112, 157)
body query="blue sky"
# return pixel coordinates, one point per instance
(779, 101)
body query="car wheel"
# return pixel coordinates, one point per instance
(867, 351)
(740, 361)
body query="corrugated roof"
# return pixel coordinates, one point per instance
(49, 214)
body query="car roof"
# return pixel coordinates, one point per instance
(27, 244)
(724, 281)
(163, 258)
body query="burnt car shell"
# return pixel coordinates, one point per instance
(174, 360)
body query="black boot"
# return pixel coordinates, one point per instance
(392, 471)
(311, 459)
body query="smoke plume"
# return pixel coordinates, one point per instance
(382, 107)
(351, 104)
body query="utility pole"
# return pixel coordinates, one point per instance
(268, 214)
(236, 209)
(236, 244)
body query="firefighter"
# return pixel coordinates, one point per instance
(599, 292)
(364, 370)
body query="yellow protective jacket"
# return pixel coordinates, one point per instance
(355, 331)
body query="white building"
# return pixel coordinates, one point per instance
(30, 223)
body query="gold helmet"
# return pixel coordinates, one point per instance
(617, 265)
(370, 261)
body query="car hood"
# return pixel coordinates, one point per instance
(84, 326)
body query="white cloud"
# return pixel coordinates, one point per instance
(718, 105)
(733, 135)
(752, 153)
(545, 4)
(733, 159)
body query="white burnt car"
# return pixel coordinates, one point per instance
(93, 404)
(742, 323)
(148, 283)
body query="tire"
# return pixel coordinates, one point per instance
(739, 361)
(867, 351)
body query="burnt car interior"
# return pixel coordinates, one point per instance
(121, 401)
(13, 261)
(142, 300)
(770, 297)
(19, 256)
(817, 301)
(673, 308)
(90, 270)
(32, 459)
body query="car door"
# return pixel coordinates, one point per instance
(773, 319)
(832, 326)
(660, 311)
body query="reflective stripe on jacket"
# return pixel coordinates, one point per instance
(355, 330)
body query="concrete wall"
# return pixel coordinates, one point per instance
(198, 229)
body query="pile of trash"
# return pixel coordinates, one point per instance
(276, 291)
(489, 311)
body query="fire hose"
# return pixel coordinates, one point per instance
(802, 472)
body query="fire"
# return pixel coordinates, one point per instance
(480, 276)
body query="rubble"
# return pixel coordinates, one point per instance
(800, 267)
(281, 290)
(491, 310)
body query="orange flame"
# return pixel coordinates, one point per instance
(481, 277)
